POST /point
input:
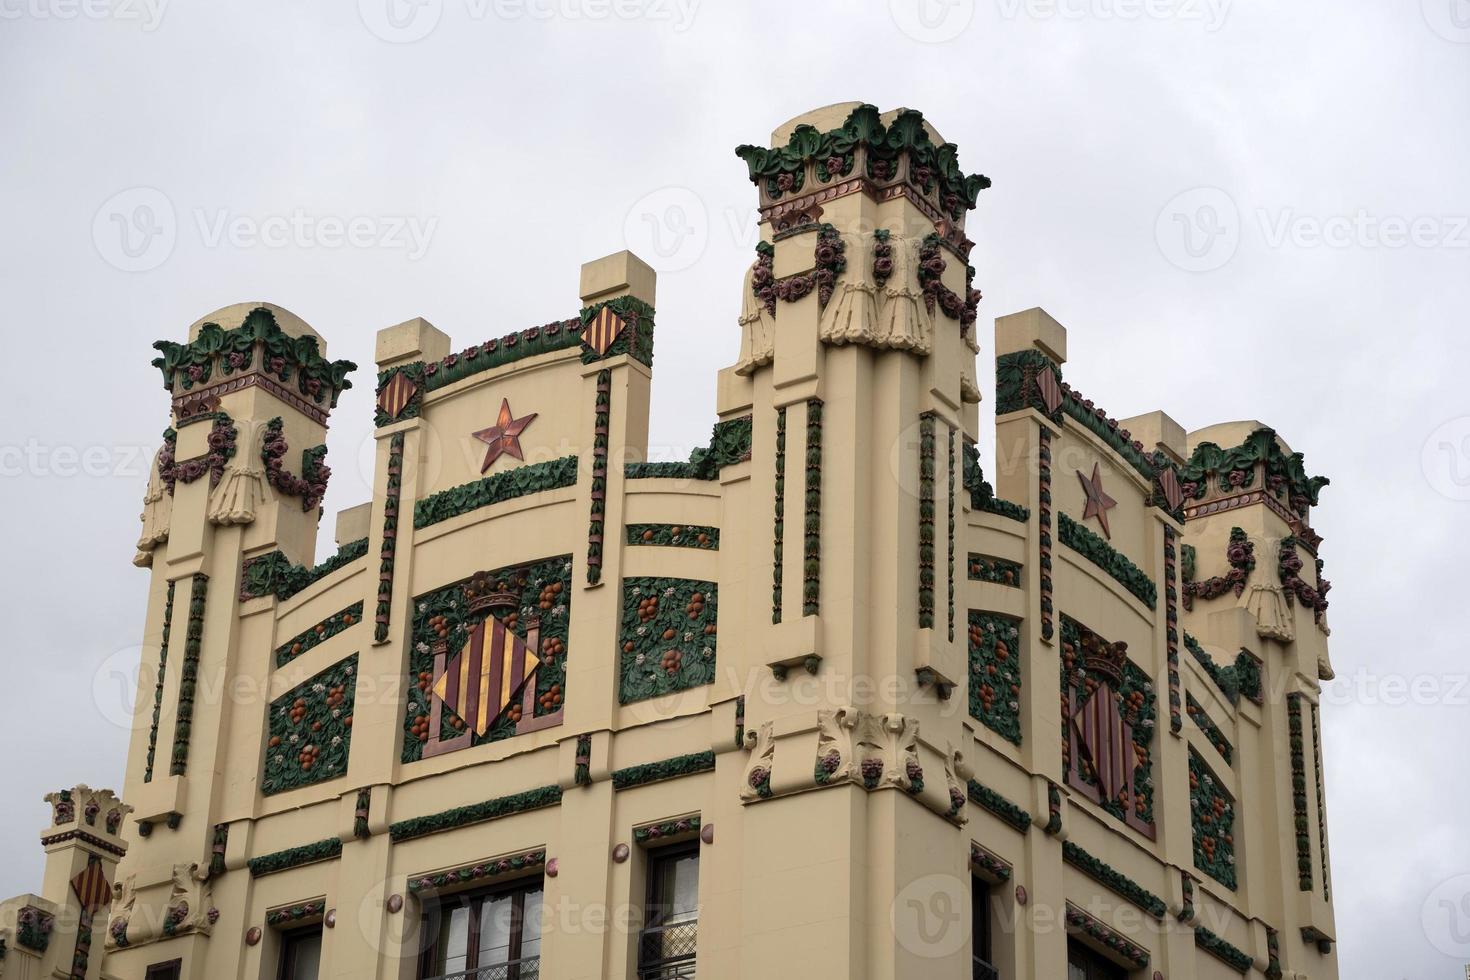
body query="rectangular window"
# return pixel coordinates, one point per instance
(301, 954)
(667, 945)
(484, 936)
(980, 932)
(1084, 964)
(172, 970)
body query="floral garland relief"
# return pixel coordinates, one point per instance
(311, 730)
(995, 673)
(667, 641)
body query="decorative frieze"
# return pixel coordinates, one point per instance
(1259, 457)
(1300, 825)
(1212, 813)
(189, 673)
(1107, 558)
(463, 816)
(811, 590)
(653, 772)
(257, 347)
(663, 830)
(311, 485)
(1044, 545)
(601, 421)
(988, 866)
(1171, 625)
(168, 619)
(865, 152)
(729, 444)
(1094, 929)
(1113, 879)
(1211, 731)
(310, 730)
(320, 633)
(298, 914)
(997, 571)
(995, 673)
(1008, 812)
(388, 550)
(295, 857)
(926, 520)
(478, 873)
(1321, 801)
(1241, 555)
(675, 536)
(1244, 676)
(667, 640)
(497, 488)
(950, 500)
(273, 573)
(779, 527)
(1232, 956)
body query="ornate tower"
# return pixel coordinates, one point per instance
(230, 518)
(857, 364)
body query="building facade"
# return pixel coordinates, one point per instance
(823, 701)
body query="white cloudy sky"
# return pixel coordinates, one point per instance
(523, 138)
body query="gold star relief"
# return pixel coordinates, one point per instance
(504, 436)
(1098, 502)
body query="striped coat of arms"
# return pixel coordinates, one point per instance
(605, 328)
(396, 395)
(480, 681)
(91, 886)
(1107, 740)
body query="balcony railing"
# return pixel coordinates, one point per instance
(666, 952)
(984, 971)
(527, 968)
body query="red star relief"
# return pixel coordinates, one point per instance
(1098, 502)
(504, 437)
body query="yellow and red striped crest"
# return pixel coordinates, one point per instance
(1108, 741)
(396, 395)
(605, 328)
(479, 683)
(91, 886)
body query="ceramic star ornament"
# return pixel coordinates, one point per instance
(1098, 502)
(504, 437)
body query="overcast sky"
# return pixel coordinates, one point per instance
(1239, 210)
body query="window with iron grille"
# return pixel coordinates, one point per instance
(669, 940)
(980, 932)
(494, 935)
